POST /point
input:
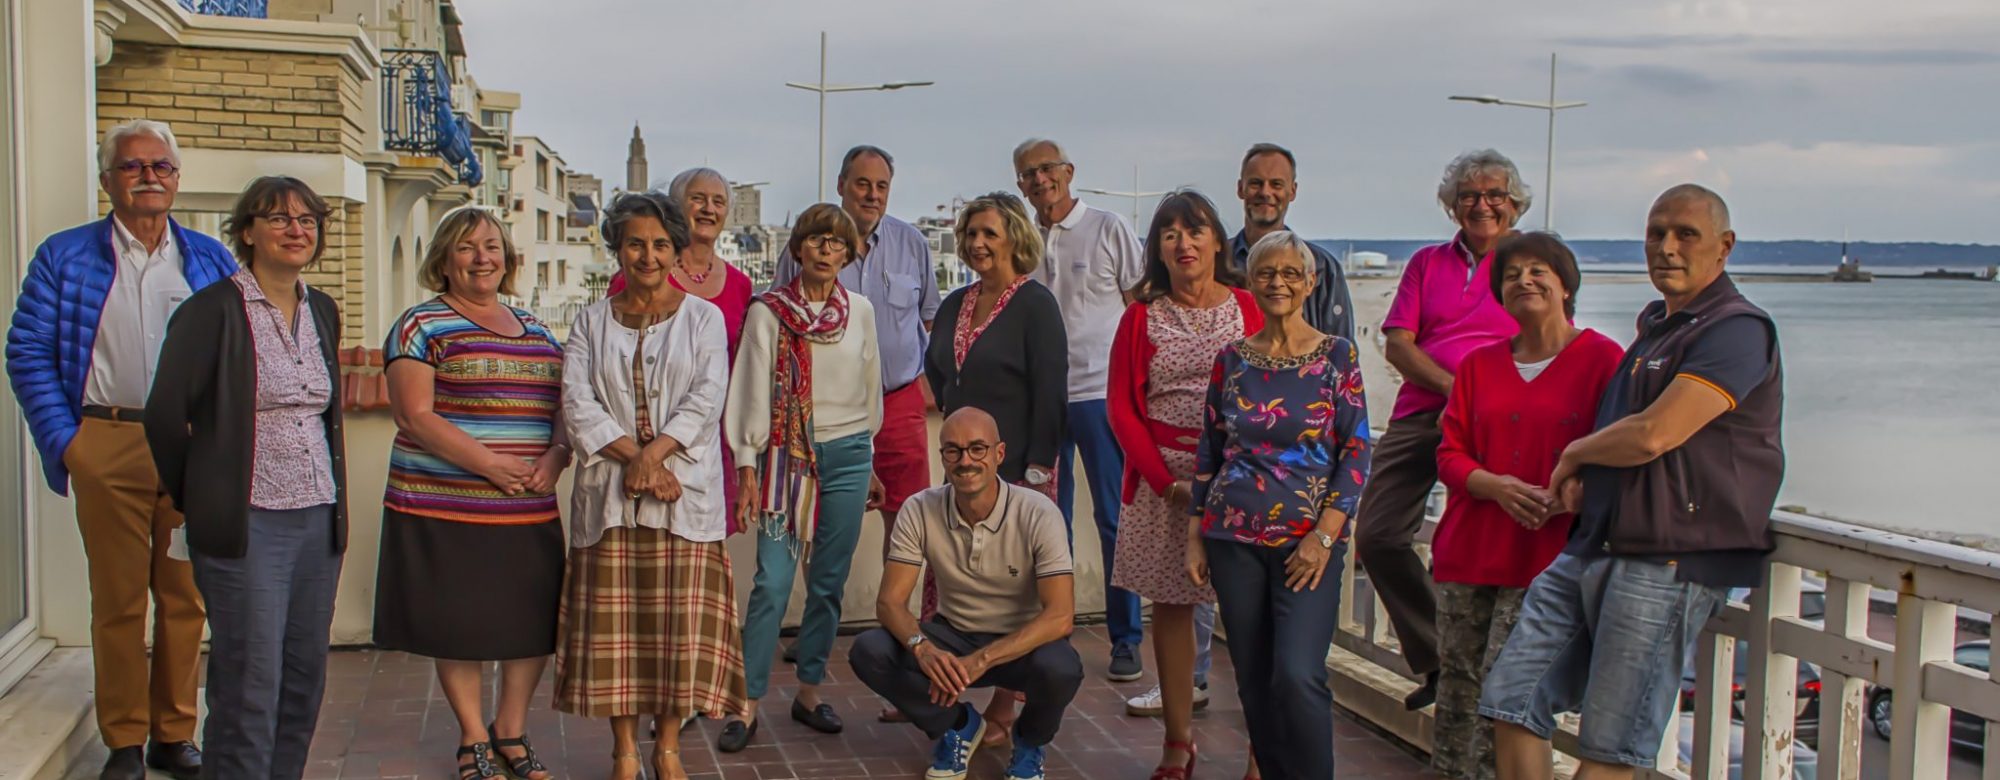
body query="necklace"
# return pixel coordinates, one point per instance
(697, 278)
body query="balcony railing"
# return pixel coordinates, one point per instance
(417, 113)
(249, 9)
(1932, 700)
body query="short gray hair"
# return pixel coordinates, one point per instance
(108, 148)
(1030, 144)
(1481, 162)
(1280, 241)
(678, 188)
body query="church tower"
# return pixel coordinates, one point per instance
(635, 163)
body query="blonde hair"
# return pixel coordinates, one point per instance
(1014, 220)
(456, 226)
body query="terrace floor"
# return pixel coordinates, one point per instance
(385, 718)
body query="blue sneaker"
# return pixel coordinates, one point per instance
(954, 750)
(1026, 763)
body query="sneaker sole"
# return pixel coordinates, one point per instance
(1154, 712)
(1125, 677)
(977, 736)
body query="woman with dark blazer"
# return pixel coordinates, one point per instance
(1000, 345)
(244, 424)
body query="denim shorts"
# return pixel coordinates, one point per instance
(1606, 637)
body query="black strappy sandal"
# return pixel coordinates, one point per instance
(481, 766)
(524, 767)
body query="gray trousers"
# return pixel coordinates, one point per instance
(269, 616)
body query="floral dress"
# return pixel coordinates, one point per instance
(1281, 443)
(1151, 557)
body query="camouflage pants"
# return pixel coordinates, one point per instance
(1473, 624)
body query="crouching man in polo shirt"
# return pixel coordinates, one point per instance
(1006, 603)
(1672, 495)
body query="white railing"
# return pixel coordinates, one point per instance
(1925, 583)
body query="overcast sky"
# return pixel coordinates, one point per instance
(1810, 116)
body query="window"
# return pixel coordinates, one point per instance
(541, 172)
(562, 272)
(1974, 656)
(541, 224)
(16, 622)
(496, 120)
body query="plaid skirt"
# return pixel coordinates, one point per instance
(649, 627)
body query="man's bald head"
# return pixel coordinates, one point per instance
(1688, 241)
(970, 446)
(1717, 209)
(969, 423)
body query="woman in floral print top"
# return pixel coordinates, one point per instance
(1278, 470)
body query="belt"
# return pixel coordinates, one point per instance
(115, 413)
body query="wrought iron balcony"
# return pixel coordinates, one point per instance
(417, 114)
(248, 9)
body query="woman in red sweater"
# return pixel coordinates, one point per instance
(1514, 405)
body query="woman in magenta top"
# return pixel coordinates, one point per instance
(1444, 309)
(1515, 404)
(703, 195)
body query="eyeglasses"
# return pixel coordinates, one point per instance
(826, 241)
(977, 452)
(1045, 169)
(285, 221)
(1492, 197)
(134, 169)
(1289, 275)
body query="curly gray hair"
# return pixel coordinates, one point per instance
(1480, 162)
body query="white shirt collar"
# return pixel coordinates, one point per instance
(130, 247)
(1075, 216)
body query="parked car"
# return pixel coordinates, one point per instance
(1805, 762)
(1806, 712)
(1967, 730)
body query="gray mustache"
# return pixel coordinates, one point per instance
(138, 188)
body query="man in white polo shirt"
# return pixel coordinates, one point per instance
(1006, 606)
(1093, 260)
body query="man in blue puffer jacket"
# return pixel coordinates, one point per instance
(81, 357)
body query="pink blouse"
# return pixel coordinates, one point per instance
(293, 467)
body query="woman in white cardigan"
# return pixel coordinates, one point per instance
(805, 401)
(649, 609)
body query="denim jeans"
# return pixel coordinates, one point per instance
(844, 465)
(1278, 639)
(1089, 434)
(1606, 637)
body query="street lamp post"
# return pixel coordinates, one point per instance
(1551, 106)
(1135, 194)
(823, 88)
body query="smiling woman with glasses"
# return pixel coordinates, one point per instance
(247, 438)
(1443, 310)
(1282, 456)
(805, 402)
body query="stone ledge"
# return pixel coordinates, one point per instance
(45, 719)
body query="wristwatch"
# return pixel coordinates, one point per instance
(1038, 476)
(1324, 540)
(915, 640)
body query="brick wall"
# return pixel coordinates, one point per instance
(233, 99)
(258, 101)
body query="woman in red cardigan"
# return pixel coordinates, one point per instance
(1514, 405)
(1189, 305)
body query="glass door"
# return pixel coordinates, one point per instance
(14, 460)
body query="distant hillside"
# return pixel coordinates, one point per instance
(1794, 253)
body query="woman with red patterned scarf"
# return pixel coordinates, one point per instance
(805, 400)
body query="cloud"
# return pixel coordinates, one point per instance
(1669, 80)
(1652, 41)
(1875, 57)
